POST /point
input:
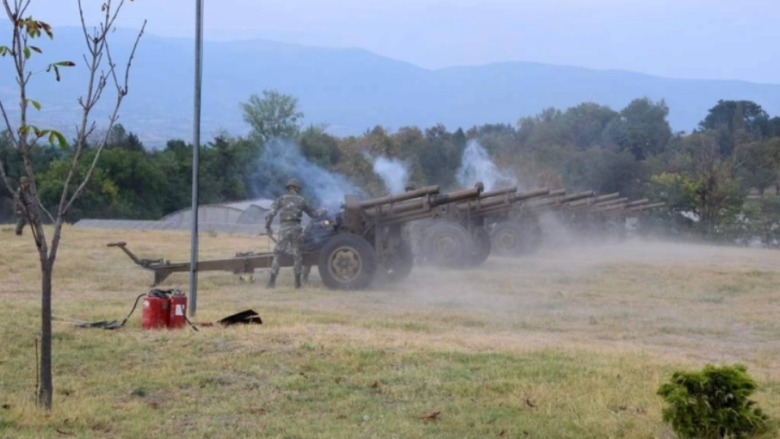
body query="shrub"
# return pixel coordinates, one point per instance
(712, 404)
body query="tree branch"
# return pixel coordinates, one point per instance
(122, 91)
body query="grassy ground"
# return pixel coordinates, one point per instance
(571, 344)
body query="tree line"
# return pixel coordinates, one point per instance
(720, 180)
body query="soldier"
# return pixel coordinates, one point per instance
(22, 203)
(290, 208)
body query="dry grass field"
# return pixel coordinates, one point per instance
(572, 343)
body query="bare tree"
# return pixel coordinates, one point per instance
(102, 72)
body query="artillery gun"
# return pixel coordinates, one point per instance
(518, 231)
(478, 216)
(351, 248)
(608, 218)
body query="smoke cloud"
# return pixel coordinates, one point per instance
(477, 166)
(393, 172)
(282, 160)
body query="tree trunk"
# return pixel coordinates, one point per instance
(46, 389)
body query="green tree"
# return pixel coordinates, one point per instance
(320, 147)
(704, 183)
(272, 115)
(641, 129)
(736, 122)
(757, 163)
(120, 138)
(585, 124)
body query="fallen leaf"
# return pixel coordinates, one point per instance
(433, 415)
(529, 402)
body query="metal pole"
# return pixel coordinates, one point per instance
(196, 156)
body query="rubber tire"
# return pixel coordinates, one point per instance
(462, 239)
(481, 246)
(508, 228)
(403, 265)
(362, 248)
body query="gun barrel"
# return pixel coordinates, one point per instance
(536, 193)
(497, 192)
(428, 190)
(454, 197)
(637, 203)
(577, 196)
(481, 205)
(646, 207)
(424, 203)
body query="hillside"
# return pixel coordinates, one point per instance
(353, 89)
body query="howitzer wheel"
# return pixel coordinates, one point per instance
(447, 244)
(481, 246)
(508, 239)
(347, 262)
(534, 236)
(399, 265)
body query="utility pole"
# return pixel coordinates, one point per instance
(196, 156)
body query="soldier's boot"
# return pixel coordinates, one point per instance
(272, 281)
(297, 281)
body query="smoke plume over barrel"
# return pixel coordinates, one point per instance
(282, 160)
(476, 166)
(393, 172)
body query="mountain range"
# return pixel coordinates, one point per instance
(350, 90)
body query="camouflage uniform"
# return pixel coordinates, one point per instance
(290, 208)
(21, 200)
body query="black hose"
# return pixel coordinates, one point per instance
(132, 310)
(193, 326)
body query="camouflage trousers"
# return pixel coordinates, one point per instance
(21, 221)
(291, 243)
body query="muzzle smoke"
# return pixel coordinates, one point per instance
(282, 160)
(477, 166)
(393, 172)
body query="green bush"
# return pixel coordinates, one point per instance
(712, 404)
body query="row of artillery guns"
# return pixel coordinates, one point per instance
(368, 241)
(506, 222)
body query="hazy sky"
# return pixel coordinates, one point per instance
(712, 39)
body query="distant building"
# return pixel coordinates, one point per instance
(240, 217)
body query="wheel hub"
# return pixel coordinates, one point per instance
(446, 247)
(345, 264)
(507, 240)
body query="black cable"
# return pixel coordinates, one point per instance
(193, 326)
(132, 310)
